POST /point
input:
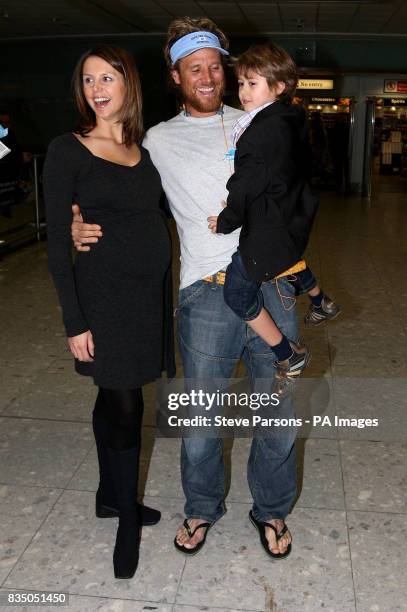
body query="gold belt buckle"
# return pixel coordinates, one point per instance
(218, 278)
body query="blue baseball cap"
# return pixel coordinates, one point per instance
(193, 42)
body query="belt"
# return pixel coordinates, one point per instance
(298, 267)
(219, 277)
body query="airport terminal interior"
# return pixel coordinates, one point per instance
(349, 520)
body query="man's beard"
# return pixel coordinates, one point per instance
(200, 104)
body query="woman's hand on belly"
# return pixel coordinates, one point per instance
(82, 346)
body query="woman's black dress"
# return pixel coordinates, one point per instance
(121, 288)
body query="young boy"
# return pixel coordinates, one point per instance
(269, 197)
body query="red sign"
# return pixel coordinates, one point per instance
(394, 86)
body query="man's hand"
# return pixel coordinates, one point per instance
(83, 232)
(212, 223)
(82, 346)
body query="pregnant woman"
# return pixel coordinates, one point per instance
(116, 298)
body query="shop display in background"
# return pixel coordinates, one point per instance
(390, 137)
(329, 121)
(391, 154)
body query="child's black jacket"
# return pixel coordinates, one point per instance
(269, 194)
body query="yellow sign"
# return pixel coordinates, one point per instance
(315, 84)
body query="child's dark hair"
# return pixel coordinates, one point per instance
(271, 62)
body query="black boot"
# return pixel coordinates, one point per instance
(106, 504)
(124, 465)
(105, 494)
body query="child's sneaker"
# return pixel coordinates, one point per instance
(289, 369)
(294, 365)
(326, 312)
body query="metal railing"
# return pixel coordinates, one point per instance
(37, 197)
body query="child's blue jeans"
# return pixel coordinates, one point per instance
(242, 294)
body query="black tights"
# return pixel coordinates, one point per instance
(122, 409)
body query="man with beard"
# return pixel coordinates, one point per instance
(193, 154)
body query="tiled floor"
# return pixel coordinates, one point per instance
(350, 520)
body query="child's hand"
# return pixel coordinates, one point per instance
(212, 223)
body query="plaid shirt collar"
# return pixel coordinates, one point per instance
(244, 121)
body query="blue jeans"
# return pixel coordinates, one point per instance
(212, 340)
(304, 281)
(241, 293)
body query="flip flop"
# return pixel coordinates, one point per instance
(192, 551)
(261, 528)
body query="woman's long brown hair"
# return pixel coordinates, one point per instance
(131, 114)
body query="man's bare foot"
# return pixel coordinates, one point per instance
(183, 538)
(282, 545)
